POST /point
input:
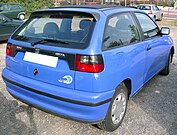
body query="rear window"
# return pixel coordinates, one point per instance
(14, 7)
(73, 29)
(144, 7)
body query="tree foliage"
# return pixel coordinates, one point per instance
(31, 5)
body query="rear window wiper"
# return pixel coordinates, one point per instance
(48, 40)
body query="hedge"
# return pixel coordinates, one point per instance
(31, 5)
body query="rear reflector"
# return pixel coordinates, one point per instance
(150, 13)
(91, 64)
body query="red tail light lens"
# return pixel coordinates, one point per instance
(9, 49)
(91, 64)
(150, 12)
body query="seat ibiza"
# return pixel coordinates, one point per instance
(84, 62)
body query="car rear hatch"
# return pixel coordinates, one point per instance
(47, 66)
(41, 38)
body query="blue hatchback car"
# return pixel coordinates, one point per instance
(84, 62)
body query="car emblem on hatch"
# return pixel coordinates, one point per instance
(60, 55)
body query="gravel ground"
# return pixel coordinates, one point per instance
(153, 111)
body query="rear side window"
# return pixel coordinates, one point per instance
(73, 28)
(4, 7)
(120, 30)
(14, 7)
(149, 28)
(155, 8)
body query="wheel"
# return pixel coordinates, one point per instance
(117, 109)
(21, 16)
(166, 70)
(154, 18)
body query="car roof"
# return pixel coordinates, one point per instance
(95, 10)
(107, 9)
(9, 4)
(148, 4)
(95, 6)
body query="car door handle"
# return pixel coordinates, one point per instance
(148, 48)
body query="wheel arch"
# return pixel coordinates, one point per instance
(128, 84)
(172, 51)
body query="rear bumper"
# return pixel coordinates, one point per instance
(72, 104)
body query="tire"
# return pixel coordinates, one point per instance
(161, 17)
(166, 70)
(21, 16)
(119, 100)
(154, 18)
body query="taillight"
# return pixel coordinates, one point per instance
(150, 12)
(9, 50)
(87, 63)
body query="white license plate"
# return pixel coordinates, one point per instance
(41, 59)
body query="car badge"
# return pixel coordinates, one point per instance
(60, 55)
(37, 51)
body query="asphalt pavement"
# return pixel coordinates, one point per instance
(153, 111)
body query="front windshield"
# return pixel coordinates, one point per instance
(74, 28)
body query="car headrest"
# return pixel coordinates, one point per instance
(51, 28)
(123, 24)
(84, 24)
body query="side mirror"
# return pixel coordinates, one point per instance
(165, 31)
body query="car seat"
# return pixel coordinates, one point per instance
(123, 31)
(84, 26)
(51, 30)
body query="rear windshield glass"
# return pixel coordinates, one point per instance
(72, 29)
(144, 7)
